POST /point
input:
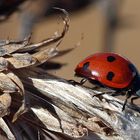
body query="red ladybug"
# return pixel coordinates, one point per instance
(110, 70)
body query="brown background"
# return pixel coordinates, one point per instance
(86, 29)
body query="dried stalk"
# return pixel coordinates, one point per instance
(72, 110)
(46, 107)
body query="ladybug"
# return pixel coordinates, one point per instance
(112, 71)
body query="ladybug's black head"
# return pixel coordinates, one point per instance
(136, 85)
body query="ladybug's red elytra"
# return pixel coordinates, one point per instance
(110, 70)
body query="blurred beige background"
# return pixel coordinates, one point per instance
(86, 30)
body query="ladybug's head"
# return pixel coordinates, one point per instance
(136, 85)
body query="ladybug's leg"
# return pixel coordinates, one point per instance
(100, 94)
(77, 83)
(134, 98)
(73, 82)
(96, 87)
(128, 95)
(83, 81)
(97, 95)
(114, 93)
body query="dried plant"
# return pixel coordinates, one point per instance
(35, 105)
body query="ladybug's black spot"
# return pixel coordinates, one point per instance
(85, 66)
(110, 76)
(111, 58)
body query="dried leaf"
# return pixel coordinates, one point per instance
(77, 102)
(15, 79)
(43, 56)
(3, 64)
(22, 108)
(5, 102)
(59, 125)
(18, 60)
(54, 39)
(64, 52)
(12, 46)
(7, 85)
(6, 129)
